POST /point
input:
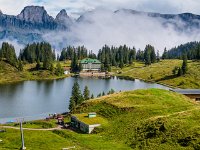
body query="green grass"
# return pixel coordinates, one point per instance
(58, 139)
(162, 73)
(90, 121)
(148, 119)
(9, 74)
(39, 124)
(141, 119)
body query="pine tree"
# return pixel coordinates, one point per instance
(74, 63)
(8, 53)
(86, 93)
(72, 104)
(20, 66)
(76, 94)
(153, 55)
(99, 95)
(184, 65)
(92, 96)
(165, 54)
(147, 56)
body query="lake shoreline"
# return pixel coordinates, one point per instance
(144, 80)
(36, 79)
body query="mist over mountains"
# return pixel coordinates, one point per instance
(99, 27)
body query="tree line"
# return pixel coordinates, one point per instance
(38, 52)
(191, 50)
(78, 98)
(7, 53)
(109, 56)
(42, 53)
(80, 51)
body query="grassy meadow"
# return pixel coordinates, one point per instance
(162, 73)
(10, 74)
(141, 119)
(149, 119)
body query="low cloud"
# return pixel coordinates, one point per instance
(102, 27)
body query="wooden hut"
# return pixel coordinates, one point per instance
(191, 93)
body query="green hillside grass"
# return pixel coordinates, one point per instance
(149, 119)
(162, 73)
(10, 74)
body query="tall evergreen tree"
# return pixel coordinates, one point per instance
(92, 96)
(86, 93)
(47, 63)
(165, 55)
(147, 55)
(7, 52)
(153, 55)
(76, 94)
(72, 104)
(184, 65)
(74, 63)
(38, 51)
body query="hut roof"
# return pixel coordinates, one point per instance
(187, 91)
(89, 60)
(90, 121)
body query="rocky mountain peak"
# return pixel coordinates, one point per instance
(62, 15)
(35, 14)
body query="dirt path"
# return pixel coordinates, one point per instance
(32, 129)
(176, 113)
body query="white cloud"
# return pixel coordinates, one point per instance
(110, 29)
(105, 27)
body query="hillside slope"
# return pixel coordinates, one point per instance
(10, 74)
(162, 73)
(148, 119)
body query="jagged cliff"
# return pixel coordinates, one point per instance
(31, 23)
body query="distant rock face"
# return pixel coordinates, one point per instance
(31, 23)
(63, 18)
(35, 14)
(62, 15)
(185, 22)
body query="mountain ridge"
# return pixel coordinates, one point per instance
(34, 21)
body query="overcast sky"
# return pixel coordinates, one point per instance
(76, 7)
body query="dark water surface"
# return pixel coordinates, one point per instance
(36, 99)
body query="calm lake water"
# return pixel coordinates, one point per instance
(36, 99)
